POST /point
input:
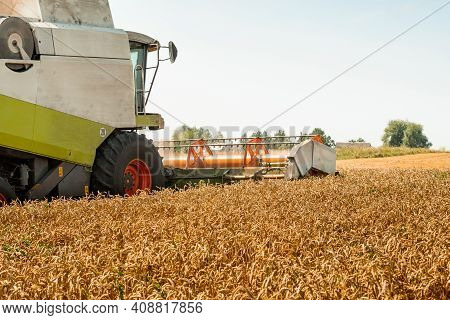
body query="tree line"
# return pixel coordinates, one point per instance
(398, 133)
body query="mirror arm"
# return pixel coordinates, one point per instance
(153, 80)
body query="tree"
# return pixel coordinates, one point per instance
(280, 133)
(185, 132)
(218, 135)
(404, 133)
(188, 133)
(359, 140)
(280, 137)
(259, 134)
(414, 137)
(394, 133)
(327, 140)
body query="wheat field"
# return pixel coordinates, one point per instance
(418, 161)
(367, 234)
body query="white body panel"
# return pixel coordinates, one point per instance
(80, 41)
(91, 43)
(100, 90)
(20, 86)
(77, 12)
(44, 41)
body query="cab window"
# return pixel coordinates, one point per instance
(138, 58)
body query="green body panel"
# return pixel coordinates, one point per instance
(49, 133)
(152, 121)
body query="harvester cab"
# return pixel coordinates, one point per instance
(142, 47)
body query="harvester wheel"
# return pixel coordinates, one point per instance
(7, 193)
(126, 163)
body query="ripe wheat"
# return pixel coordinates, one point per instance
(367, 234)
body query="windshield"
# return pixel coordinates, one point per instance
(138, 55)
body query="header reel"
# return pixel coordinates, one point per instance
(296, 157)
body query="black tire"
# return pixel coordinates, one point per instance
(6, 192)
(115, 154)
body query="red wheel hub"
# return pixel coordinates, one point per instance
(136, 177)
(3, 200)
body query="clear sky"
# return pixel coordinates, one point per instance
(241, 63)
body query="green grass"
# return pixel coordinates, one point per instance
(382, 152)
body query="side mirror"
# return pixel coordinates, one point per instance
(173, 52)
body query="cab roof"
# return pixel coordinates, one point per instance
(141, 38)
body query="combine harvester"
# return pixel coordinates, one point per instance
(73, 95)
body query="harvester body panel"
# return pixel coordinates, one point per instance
(95, 89)
(45, 132)
(79, 41)
(77, 12)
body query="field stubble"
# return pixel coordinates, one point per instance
(368, 234)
